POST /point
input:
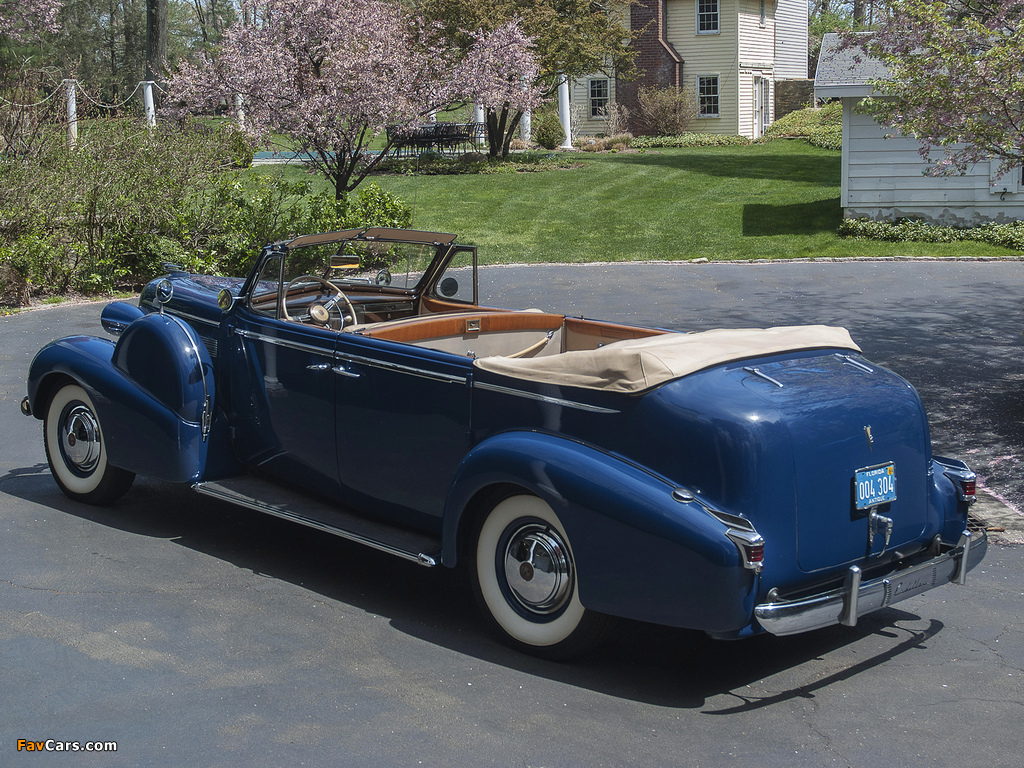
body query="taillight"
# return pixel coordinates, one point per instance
(751, 547)
(962, 477)
(968, 491)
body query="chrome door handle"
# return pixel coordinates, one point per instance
(342, 371)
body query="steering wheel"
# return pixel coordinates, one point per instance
(331, 290)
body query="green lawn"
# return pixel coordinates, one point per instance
(775, 200)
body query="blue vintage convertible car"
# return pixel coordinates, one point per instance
(730, 481)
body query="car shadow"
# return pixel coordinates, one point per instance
(641, 662)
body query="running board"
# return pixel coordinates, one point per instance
(271, 499)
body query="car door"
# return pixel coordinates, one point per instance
(282, 391)
(403, 426)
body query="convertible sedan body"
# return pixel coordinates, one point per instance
(733, 481)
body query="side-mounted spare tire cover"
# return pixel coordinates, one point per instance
(163, 355)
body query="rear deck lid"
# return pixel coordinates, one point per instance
(860, 446)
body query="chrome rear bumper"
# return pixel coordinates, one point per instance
(857, 598)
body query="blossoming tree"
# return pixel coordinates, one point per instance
(22, 19)
(332, 74)
(955, 80)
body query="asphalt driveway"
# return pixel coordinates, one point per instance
(190, 632)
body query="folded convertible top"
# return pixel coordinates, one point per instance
(636, 365)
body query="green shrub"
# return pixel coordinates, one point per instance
(617, 142)
(689, 140)
(914, 230)
(821, 127)
(546, 129)
(107, 213)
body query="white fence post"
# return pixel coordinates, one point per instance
(72, 114)
(147, 98)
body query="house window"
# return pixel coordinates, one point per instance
(598, 97)
(707, 17)
(707, 96)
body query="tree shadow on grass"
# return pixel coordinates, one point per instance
(742, 163)
(761, 220)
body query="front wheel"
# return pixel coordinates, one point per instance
(524, 578)
(76, 452)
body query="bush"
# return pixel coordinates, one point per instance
(546, 129)
(665, 111)
(616, 143)
(689, 140)
(914, 230)
(822, 127)
(109, 212)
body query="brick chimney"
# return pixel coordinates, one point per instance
(658, 63)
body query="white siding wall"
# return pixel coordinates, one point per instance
(708, 55)
(790, 39)
(757, 42)
(579, 95)
(884, 179)
(756, 59)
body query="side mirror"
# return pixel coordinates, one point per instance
(225, 300)
(449, 287)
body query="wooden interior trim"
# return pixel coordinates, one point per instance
(439, 326)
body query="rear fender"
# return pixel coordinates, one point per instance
(153, 391)
(639, 552)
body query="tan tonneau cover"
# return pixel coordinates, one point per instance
(635, 365)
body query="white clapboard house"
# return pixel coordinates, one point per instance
(883, 174)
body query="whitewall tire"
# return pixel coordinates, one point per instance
(76, 451)
(524, 577)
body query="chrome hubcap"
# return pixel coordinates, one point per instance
(80, 438)
(538, 569)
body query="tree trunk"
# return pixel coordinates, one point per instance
(501, 129)
(156, 38)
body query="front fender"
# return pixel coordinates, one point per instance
(153, 391)
(640, 553)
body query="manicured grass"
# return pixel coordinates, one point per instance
(774, 200)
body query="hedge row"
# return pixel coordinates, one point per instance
(688, 140)
(912, 230)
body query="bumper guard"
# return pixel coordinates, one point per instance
(857, 598)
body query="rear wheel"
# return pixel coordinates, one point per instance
(76, 452)
(524, 578)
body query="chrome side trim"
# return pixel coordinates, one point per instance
(855, 598)
(449, 378)
(345, 357)
(193, 318)
(301, 347)
(543, 398)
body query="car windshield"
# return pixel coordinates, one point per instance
(370, 257)
(400, 265)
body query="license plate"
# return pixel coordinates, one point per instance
(875, 485)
